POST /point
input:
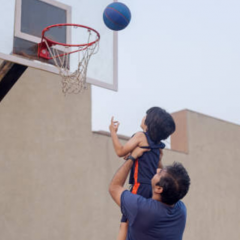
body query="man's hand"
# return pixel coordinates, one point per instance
(160, 165)
(114, 125)
(126, 156)
(161, 155)
(138, 152)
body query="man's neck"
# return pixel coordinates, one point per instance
(157, 197)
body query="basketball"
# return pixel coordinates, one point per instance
(116, 16)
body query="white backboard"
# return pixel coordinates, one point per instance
(22, 23)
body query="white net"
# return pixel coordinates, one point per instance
(74, 81)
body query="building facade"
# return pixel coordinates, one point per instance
(55, 172)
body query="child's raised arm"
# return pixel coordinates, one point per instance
(122, 150)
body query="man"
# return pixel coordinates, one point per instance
(161, 217)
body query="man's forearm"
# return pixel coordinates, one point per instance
(121, 175)
(116, 185)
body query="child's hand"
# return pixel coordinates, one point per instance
(114, 125)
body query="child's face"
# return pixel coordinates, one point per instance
(143, 125)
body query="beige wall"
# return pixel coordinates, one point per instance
(54, 172)
(213, 162)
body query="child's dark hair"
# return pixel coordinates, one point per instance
(160, 124)
(175, 183)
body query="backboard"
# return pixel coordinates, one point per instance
(22, 24)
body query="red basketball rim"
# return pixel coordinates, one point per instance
(51, 42)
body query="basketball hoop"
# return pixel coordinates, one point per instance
(72, 81)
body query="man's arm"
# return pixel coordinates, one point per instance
(116, 186)
(160, 165)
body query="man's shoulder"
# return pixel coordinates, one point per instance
(178, 208)
(181, 205)
(128, 195)
(139, 202)
(131, 205)
(133, 199)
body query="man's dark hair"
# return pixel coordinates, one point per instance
(175, 183)
(160, 124)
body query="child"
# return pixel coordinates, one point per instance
(157, 125)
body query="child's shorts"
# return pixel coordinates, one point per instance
(144, 190)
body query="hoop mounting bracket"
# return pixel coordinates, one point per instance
(43, 50)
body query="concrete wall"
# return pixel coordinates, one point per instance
(213, 162)
(54, 171)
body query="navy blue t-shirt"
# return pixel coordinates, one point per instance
(145, 167)
(152, 220)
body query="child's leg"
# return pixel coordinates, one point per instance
(122, 235)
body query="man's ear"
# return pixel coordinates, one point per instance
(158, 189)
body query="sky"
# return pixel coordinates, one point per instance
(175, 55)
